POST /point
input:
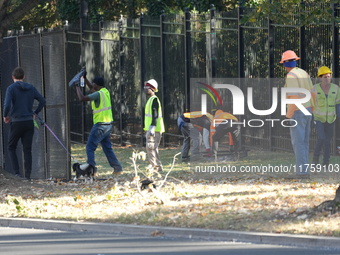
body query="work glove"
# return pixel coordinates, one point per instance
(151, 131)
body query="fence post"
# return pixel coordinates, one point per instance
(302, 31)
(212, 42)
(336, 68)
(83, 20)
(336, 42)
(271, 67)
(240, 43)
(187, 38)
(240, 57)
(141, 53)
(121, 82)
(164, 88)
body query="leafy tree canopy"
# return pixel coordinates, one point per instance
(50, 13)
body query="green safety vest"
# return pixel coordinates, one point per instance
(325, 109)
(148, 116)
(102, 113)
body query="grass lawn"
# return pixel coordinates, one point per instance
(190, 195)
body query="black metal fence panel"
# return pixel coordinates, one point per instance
(74, 63)
(8, 61)
(30, 60)
(173, 77)
(173, 48)
(57, 158)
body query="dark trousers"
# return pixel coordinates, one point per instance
(23, 130)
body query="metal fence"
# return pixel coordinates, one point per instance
(173, 49)
(43, 59)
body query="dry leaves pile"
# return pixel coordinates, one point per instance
(251, 203)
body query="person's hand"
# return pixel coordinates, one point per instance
(151, 131)
(7, 120)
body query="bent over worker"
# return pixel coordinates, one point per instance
(153, 124)
(221, 125)
(190, 124)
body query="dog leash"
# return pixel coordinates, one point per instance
(43, 123)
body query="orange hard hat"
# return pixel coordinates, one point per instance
(289, 55)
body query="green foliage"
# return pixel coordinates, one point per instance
(68, 10)
(44, 15)
(292, 12)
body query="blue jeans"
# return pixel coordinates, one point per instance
(101, 134)
(324, 132)
(190, 134)
(300, 140)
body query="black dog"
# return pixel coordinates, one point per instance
(84, 170)
(145, 184)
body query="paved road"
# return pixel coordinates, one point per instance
(21, 241)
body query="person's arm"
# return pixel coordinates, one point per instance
(337, 103)
(41, 100)
(154, 108)
(89, 84)
(7, 106)
(81, 96)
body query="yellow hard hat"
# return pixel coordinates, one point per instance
(324, 70)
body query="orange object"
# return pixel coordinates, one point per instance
(231, 140)
(289, 55)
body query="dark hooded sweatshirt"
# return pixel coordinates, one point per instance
(19, 101)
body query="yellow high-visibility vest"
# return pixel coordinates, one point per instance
(325, 109)
(148, 115)
(102, 113)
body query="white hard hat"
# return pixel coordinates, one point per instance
(153, 84)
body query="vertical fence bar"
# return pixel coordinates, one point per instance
(121, 82)
(240, 43)
(212, 42)
(336, 42)
(302, 34)
(187, 38)
(164, 89)
(241, 74)
(83, 21)
(142, 71)
(270, 67)
(336, 68)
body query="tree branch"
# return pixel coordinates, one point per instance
(20, 11)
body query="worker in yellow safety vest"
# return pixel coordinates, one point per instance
(191, 124)
(153, 124)
(221, 125)
(102, 124)
(327, 105)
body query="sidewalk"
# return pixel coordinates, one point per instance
(190, 233)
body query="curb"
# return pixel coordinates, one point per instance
(308, 241)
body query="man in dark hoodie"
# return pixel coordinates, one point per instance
(18, 111)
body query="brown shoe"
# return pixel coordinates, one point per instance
(117, 172)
